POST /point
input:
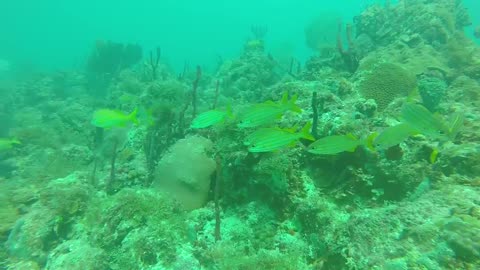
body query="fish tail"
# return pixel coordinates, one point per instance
(284, 100)
(133, 116)
(230, 112)
(292, 106)
(305, 132)
(434, 155)
(368, 142)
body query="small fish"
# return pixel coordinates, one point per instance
(273, 139)
(6, 144)
(267, 112)
(257, 135)
(106, 118)
(210, 118)
(423, 121)
(392, 136)
(335, 144)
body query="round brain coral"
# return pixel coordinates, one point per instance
(386, 82)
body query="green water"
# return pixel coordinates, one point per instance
(240, 135)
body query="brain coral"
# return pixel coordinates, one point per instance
(386, 82)
(184, 172)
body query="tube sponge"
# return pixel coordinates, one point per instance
(184, 172)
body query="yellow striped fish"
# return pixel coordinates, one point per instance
(267, 112)
(106, 118)
(456, 124)
(334, 144)
(392, 136)
(273, 139)
(210, 118)
(422, 120)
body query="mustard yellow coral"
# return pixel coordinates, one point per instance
(386, 82)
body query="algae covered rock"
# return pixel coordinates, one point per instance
(49, 220)
(463, 237)
(76, 255)
(135, 228)
(386, 82)
(66, 197)
(432, 91)
(8, 216)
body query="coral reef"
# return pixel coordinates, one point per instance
(244, 78)
(165, 194)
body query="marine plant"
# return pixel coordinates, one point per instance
(349, 56)
(106, 60)
(153, 62)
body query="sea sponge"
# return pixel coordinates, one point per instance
(386, 82)
(184, 172)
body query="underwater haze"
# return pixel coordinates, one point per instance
(58, 34)
(237, 135)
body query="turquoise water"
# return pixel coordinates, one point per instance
(198, 32)
(240, 135)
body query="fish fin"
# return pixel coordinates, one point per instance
(351, 136)
(434, 155)
(369, 141)
(284, 100)
(293, 144)
(414, 96)
(305, 132)
(133, 116)
(230, 112)
(352, 149)
(292, 106)
(456, 124)
(16, 141)
(290, 130)
(295, 108)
